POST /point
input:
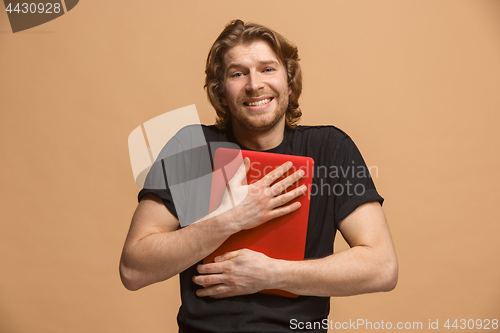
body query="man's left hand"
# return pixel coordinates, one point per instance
(235, 273)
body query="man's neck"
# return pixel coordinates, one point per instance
(260, 140)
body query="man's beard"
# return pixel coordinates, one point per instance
(261, 123)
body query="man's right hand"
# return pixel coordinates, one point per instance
(263, 200)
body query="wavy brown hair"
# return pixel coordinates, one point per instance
(236, 33)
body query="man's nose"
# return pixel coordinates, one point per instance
(254, 82)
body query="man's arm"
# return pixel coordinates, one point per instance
(156, 249)
(369, 265)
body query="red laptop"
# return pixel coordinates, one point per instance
(280, 238)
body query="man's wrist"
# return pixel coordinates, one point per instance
(224, 219)
(282, 270)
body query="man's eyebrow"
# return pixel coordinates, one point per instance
(269, 62)
(234, 65)
(263, 62)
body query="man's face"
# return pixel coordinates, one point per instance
(256, 87)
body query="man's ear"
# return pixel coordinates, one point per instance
(223, 101)
(290, 90)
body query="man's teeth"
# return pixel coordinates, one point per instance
(259, 103)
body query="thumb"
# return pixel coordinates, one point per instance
(240, 176)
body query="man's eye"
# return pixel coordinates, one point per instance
(237, 74)
(268, 69)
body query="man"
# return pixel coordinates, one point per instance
(254, 82)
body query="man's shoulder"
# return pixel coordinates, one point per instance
(207, 132)
(320, 132)
(320, 128)
(212, 130)
(318, 140)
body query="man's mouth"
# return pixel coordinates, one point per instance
(259, 103)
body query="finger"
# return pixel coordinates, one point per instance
(214, 291)
(219, 291)
(212, 268)
(282, 185)
(284, 210)
(208, 280)
(241, 173)
(223, 290)
(230, 293)
(274, 175)
(227, 256)
(285, 198)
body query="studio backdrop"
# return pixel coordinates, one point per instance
(415, 83)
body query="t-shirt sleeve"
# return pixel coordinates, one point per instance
(355, 185)
(164, 195)
(156, 184)
(181, 176)
(182, 181)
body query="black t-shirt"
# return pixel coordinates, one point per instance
(341, 182)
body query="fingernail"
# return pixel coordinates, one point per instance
(301, 173)
(303, 189)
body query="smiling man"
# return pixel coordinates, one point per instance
(253, 80)
(256, 91)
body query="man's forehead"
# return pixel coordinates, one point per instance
(258, 51)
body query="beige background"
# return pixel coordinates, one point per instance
(415, 83)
